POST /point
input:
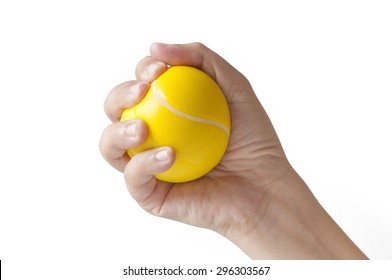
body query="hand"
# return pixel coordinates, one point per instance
(252, 197)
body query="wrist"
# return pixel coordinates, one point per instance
(291, 224)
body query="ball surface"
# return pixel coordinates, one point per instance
(186, 110)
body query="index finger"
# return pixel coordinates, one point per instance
(229, 79)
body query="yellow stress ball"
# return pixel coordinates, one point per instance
(186, 110)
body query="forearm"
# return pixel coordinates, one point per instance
(295, 226)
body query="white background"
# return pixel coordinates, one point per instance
(322, 70)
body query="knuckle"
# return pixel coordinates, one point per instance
(108, 111)
(137, 163)
(103, 142)
(198, 45)
(110, 103)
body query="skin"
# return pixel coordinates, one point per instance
(253, 196)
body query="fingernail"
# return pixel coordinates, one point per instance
(131, 130)
(138, 88)
(141, 87)
(155, 67)
(161, 155)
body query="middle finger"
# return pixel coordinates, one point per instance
(125, 95)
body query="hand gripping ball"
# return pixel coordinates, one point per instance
(186, 110)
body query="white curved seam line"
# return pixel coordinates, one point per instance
(158, 94)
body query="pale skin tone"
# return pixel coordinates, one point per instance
(253, 196)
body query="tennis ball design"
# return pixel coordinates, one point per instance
(186, 110)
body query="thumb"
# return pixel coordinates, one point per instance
(230, 80)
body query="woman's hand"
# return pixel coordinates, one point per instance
(253, 196)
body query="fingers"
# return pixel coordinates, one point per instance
(120, 136)
(125, 95)
(197, 55)
(139, 172)
(148, 69)
(194, 54)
